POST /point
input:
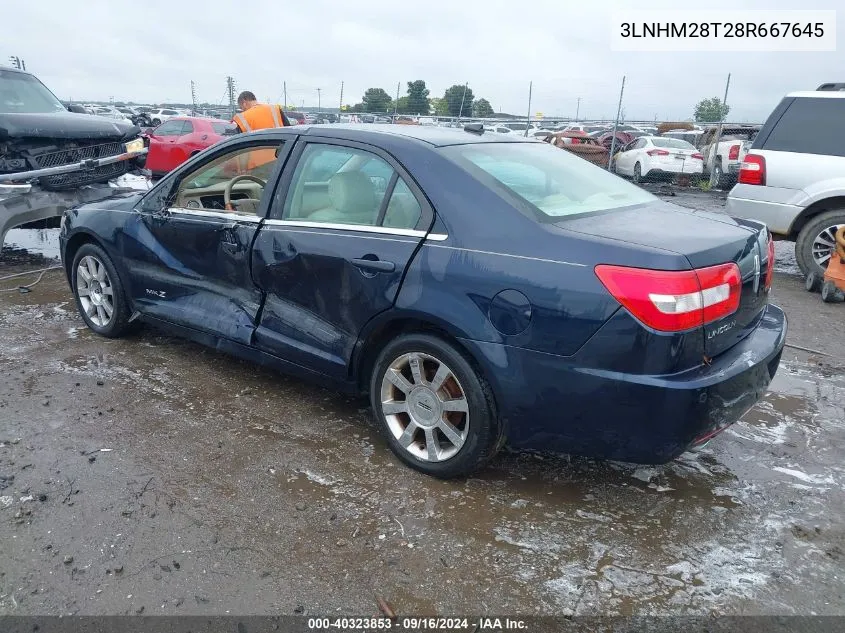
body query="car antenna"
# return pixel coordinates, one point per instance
(475, 128)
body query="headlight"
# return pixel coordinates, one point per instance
(136, 145)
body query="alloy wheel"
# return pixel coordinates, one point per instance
(425, 407)
(824, 244)
(95, 291)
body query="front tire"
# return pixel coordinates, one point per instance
(156, 122)
(816, 241)
(100, 297)
(435, 409)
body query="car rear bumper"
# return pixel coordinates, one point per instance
(676, 169)
(549, 403)
(778, 217)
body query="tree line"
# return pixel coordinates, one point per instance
(458, 100)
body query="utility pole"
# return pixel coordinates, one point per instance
(285, 89)
(194, 98)
(578, 108)
(530, 89)
(461, 111)
(616, 124)
(340, 109)
(714, 149)
(396, 103)
(230, 87)
(319, 100)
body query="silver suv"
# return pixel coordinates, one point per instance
(793, 177)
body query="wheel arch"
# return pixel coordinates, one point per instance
(74, 243)
(811, 211)
(380, 333)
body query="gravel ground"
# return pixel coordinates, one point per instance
(150, 475)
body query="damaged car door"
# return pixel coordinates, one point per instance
(189, 246)
(344, 224)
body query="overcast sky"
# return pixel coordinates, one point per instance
(149, 51)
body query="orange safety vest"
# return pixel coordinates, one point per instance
(261, 116)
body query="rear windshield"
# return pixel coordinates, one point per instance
(671, 142)
(554, 182)
(810, 126)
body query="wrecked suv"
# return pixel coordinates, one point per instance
(41, 141)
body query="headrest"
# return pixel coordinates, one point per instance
(352, 192)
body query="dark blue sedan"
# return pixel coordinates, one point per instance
(480, 288)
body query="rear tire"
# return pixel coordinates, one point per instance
(156, 121)
(814, 238)
(98, 290)
(434, 408)
(718, 176)
(638, 173)
(813, 282)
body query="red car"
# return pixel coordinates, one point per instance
(177, 139)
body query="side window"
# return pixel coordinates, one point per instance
(233, 182)
(403, 209)
(332, 184)
(187, 127)
(810, 126)
(169, 128)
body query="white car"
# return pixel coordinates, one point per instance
(160, 115)
(110, 112)
(651, 157)
(497, 127)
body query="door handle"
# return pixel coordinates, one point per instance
(375, 265)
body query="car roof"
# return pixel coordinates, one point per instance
(209, 119)
(818, 94)
(435, 136)
(15, 70)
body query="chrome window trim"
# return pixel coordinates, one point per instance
(358, 228)
(533, 259)
(222, 215)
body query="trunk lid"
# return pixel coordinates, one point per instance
(704, 239)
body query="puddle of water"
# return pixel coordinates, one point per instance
(20, 243)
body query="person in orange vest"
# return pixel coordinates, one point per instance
(258, 116)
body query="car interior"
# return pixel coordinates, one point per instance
(350, 193)
(234, 182)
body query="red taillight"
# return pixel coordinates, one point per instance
(674, 300)
(770, 266)
(697, 156)
(752, 171)
(733, 152)
(657, 152)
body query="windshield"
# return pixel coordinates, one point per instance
(671, 142)
(20, 92)
(554, 182)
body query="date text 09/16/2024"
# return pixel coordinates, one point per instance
(417, 624)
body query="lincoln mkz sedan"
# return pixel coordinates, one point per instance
(480, 288)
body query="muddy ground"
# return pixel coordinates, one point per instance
(150, 475)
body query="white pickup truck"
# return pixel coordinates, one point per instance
(722, 160)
